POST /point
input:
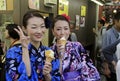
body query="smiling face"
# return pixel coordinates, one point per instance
(35, 29)
(61, 29)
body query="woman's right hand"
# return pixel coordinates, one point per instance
(25, 53)
(23, 38)
(60, 49)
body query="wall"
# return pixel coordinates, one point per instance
(85, 34)
(21, 6)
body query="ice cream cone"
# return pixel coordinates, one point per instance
(62, 41)
(49, 55)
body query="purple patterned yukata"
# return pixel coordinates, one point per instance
(76, 64)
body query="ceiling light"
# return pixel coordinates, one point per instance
(97, 2)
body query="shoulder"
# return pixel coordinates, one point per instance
(13, 51)
(110, 31)
(74, 44)
(45, 48)
(73, 33)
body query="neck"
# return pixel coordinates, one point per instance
(14, 41)
(36, 44)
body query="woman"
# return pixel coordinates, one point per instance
(118, 62)
(75, 64)
(11, 60)
(29, 60)
(1, 51)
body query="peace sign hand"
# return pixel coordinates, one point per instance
(23, 39)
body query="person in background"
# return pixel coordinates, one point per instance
(27, 61)
(75, 64)
(1, 63)
(72, 36)
(11, 62)
(118, 63)
(111, 36)
(114, 48)
(1, 51)
(99, 32)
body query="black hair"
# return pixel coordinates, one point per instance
(101, 22)
(12, 33)
(59, 17)
(117, 16)
(30, 14)
(48, 22)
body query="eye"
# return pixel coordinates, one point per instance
(34, 27)
(43, 26)
(66, 28)
(58, 29)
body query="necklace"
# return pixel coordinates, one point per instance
(14, 42)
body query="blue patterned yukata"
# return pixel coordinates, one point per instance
(76, 64)
(15, 67)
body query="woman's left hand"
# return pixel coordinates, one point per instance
(47, 68)
(46, 71)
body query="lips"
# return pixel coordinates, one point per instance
(38, 36)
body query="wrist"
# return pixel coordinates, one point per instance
(47, 77)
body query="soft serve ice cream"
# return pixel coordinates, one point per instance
(62, 41)
(49, 55)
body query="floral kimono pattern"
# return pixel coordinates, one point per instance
(76, 64)
(16, 70)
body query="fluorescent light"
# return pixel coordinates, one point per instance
(97, 2)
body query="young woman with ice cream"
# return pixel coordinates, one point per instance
(75, 64)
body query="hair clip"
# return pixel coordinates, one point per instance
(67, 17)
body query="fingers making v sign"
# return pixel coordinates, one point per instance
(23, 38)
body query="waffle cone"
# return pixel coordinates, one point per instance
(62, 42)
(48, 59)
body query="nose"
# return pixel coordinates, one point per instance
(62, 31)
(39, 30)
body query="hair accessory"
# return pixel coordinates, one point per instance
(67, 17)
(48, 22)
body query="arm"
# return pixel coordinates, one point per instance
(88, 69)
(25, 53)
(26, 60)
(11, 66)
(109, 50)
(51, 73)
(51, 70)
(95, 31)
(106, 41)
(118, 51)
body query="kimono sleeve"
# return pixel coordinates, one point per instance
(55, 75)
(88, 70)
(11, 66)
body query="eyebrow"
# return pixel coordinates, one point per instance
(36, 25)
(61, 27)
